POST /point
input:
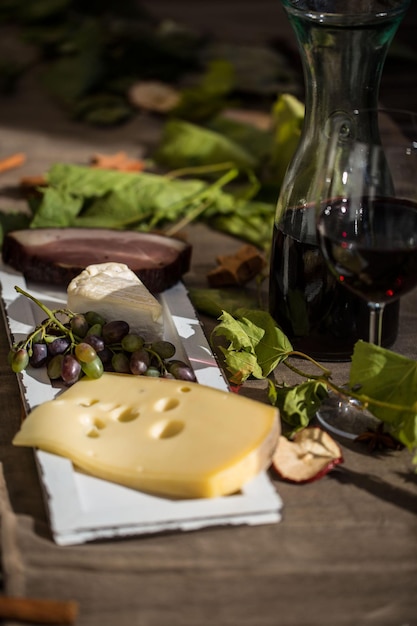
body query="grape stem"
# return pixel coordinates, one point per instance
(158, 358)
(50, 313)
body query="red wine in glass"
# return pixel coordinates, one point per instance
(375, 253)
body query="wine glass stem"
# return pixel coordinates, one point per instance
(375, 322)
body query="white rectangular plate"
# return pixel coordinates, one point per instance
(84, 508)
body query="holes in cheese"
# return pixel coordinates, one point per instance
(127, 415)
(93, 432)
(157, 435)
(92, 425)
(166, 404)
(99, 423)
(88, 402)
(166, 429)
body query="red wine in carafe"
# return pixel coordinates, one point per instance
(320, 317)
(343, 47)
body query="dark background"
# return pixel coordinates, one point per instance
(235, 21)
(263, 20)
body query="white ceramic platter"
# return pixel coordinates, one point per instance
(83, 508)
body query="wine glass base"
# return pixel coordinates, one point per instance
(345, 418)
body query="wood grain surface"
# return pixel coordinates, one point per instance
(345, 553)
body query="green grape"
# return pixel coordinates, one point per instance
(95, 329)
(54, 367)
(19, 360)
(85, 353)
(153, 372)
(93, 369)
(94, 318)
(132, 342)
(120, 363)
(164, 349)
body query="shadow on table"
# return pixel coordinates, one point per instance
(380, 488)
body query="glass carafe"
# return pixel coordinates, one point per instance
(343, 46)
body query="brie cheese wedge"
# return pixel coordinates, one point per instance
(116, 293)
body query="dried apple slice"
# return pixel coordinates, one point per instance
(311, 454)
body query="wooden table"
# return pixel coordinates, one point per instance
(345, 552)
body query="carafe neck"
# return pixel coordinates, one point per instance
(343, 58)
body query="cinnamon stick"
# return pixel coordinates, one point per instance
(237, 268)
(12, 161)
(38, 611)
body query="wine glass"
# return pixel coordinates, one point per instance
(367, 226)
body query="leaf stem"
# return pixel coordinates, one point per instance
(200, 169)
(326, 373)
(187, 219)
(205, 198)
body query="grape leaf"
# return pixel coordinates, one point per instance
(87, 182)
(184, 144)
(299, 404)
(250, 221)
(256, 345)
(273, 346)
(148, 197)
(90, 197)
(257, 141)
(386, 377)
(241, 364)
(57, 208)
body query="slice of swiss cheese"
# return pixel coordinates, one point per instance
(162, 436)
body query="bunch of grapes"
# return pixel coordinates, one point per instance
(72, 345)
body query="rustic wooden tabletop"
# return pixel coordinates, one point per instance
(345, 552)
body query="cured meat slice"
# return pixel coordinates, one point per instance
(56, 255)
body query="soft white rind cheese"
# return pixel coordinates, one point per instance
(114, 291)
(166, 437)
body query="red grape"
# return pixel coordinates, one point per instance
(70, 369)
(58, 346)
(139, 362)
(39, 354)
(113, 332)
